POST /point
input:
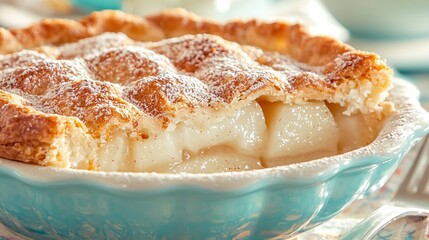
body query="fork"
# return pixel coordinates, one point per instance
(411, 199)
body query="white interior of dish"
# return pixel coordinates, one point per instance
(398, 129)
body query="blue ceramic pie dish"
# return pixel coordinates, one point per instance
(51, 203)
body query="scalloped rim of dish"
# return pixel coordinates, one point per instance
(399, 132)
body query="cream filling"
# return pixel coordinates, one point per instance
(297, 133)
(255, 136)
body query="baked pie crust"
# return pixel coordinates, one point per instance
(173, 92)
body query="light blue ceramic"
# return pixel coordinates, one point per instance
(49, 203)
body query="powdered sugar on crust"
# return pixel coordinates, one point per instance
(21, 59)
(42, 76)
(110, 77)
(93, 45)
(167, 93)
(124, 65)
(96, 103)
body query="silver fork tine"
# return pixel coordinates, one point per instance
(411, 173)
(410, 199)
(424, 180)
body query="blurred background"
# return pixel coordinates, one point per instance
(398, 30)
(18, 13)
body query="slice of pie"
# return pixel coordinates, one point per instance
(173, 92)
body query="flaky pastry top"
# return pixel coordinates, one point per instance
(113, 69)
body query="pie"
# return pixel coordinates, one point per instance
(173, 92)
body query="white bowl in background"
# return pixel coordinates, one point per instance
(382, 18)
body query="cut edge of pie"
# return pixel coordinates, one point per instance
(263, 63)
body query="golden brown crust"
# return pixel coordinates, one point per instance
(26, 134)
(76, 82)
(290, 39)
(50, 31)
(135, 27)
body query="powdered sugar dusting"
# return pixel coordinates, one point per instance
(189, 52)
(94, 102)
(295, 73)
(168, 92)
(93, 45)
(127, 64)
(110, 76)
(21, 59)
(40, 76)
